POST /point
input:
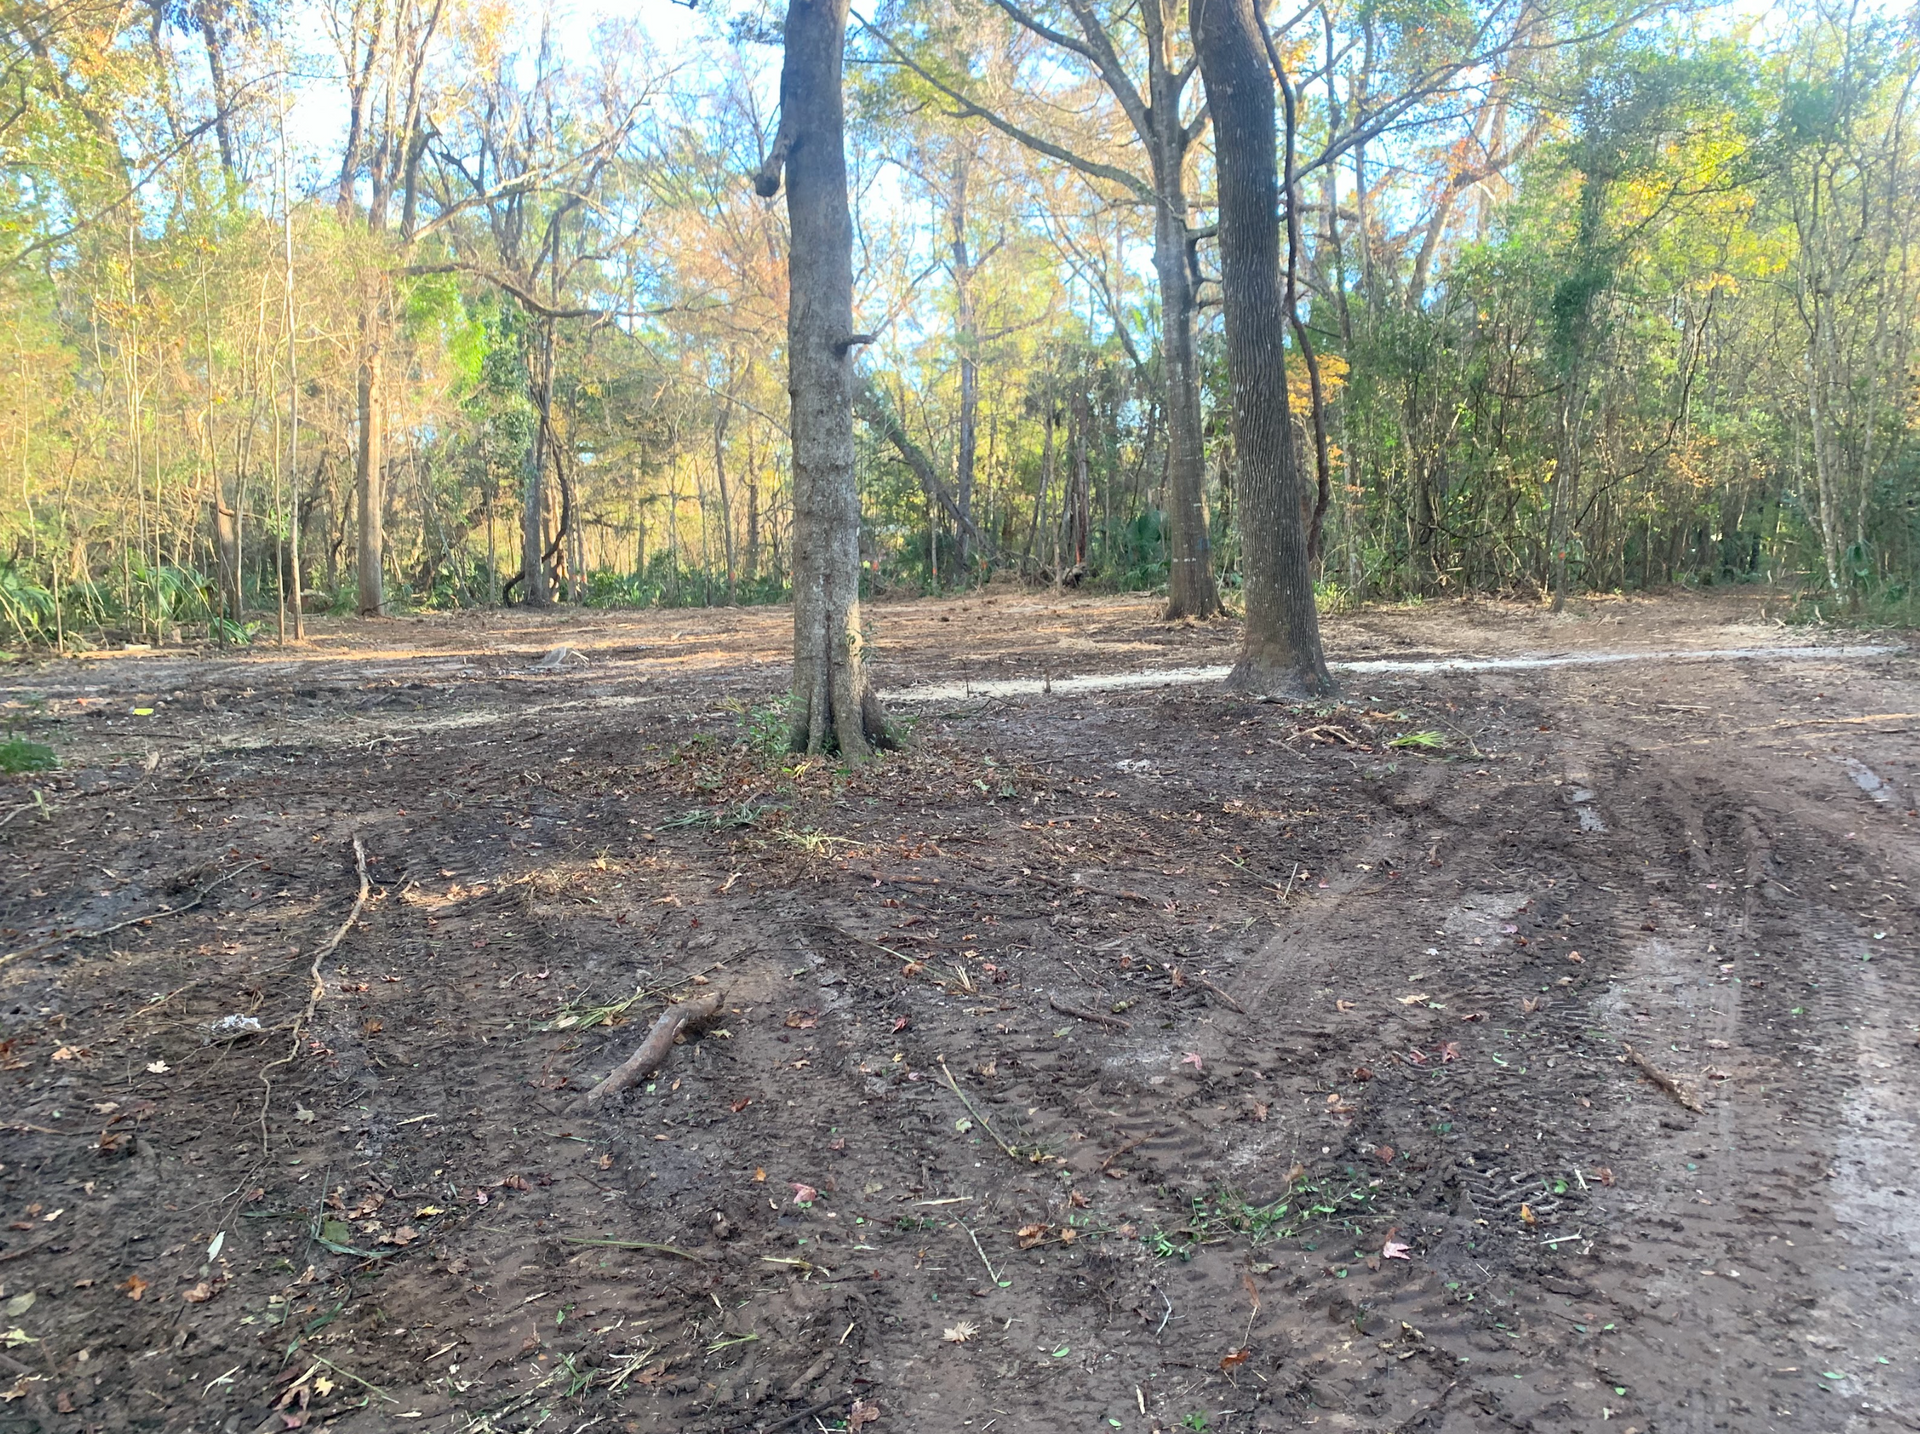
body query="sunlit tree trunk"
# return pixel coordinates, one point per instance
(369, 456)
(834, 703)
(1280, 653)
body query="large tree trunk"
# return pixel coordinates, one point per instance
(368, 495)
(834, 703)
(1280, 653)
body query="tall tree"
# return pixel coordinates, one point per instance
(1280, 651)
(833, 700)
(1168, 129)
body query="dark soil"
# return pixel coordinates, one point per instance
(1204, 1063)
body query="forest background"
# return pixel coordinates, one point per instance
(369, 305)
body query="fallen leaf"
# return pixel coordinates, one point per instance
(134, 1287)
(1343, 1005)
(405, 1235)
(1031, 1235)
(1450, 1052)
(372, 1027)
(16, 1337)
(759, 1176)
(802, 1020)
(20, 1304)
(1577, 958)
(1396, 1250)
(158, 1067)
(1384, 1155)
(323, 1386)
(1415, 999)
(901, 1023)
(1298, 1172)
(1192, 1058)
(1363, 1072)
(862, 1412)
(803, 1194)
(200, 1293)
(1235, 1359)
(1603, 1175)
(1527, 1216)
(961, 1332)
(1259, 1110)
(741, 1104)
(303, 1115)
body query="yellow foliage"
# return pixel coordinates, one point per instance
(1333, 378)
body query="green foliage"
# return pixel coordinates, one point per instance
(18, 755)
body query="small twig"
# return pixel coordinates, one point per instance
(200, 896)
(687, 1015)
(1133, 1144)
(635, 1245)
(39, 803)
(992, 1274)
(349, 1374)
(806, 1414)
(1287, 892)
(985, 1124)
(867, 941)
(1112, 1023)
(1666, 1082)
(1221, 994)
(1168, 1303)
(316, 988)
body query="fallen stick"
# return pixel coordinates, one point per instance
(636, 1245)
(806, 1414)
(985, 1124)
(1666, 1082)
(687, 1015)
(56, 938)
(1221, 994)
(1112, 1023)
(1133, 1144)
(316, 987)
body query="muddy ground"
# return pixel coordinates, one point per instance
(1143, 1059)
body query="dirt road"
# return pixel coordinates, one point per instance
(1530, 1047)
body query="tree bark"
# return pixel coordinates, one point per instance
(212, 28)
(967, 336)
(533, 513)
(1192, 590)
(833, 702)
(369, 496)
(1280, 653)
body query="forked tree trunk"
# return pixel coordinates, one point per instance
(1280, 652)
(833, 702)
